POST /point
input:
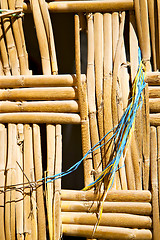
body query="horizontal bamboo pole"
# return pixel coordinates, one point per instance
(57, 93)
(154, 105)
(40, 81)
(152, 78)
(54, 118)
(70, 106)
(114, 196)
(106, 232)
(87, 6)
(107, 219)
(139, 208)
(154, 92)
(154, 119)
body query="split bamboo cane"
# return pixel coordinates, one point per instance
(138, 208)
(106, 232)
(49, 34)
(154, 183)
(4, 54)
(57, 186)
(154, 92)
(91, 97)
(108, 219)
(70, 106)
(152, 78)
(19, 179)
(154, 105)
(10, 42)
(113, 196)
(151, 11)
(41, 35)
(51, 145)
(2, 177)
(28, 157)
(154, 119)
(130, 170)
(86, 145)
(40, 81)
(18, 40)
(146, 137)
(38, 175)
(59, 93)
(98, 43)
(107, 83)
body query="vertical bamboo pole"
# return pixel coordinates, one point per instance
(130, 170)
(49, 33)
(10, 41)
(57, 185)
(107, 86)
(138, 21)
(41, 35)
(18, 40)
(38, 175)
(4, 54)
(98, 42)
(50, 172)
(28, 157)
(146, 137)
(158, 35)
(91, 96)
(146, 51)
(2, 177)
(151, 11)
(154, 183)
(1, 67)
(19, 179)
(158, 148)
(86, 145)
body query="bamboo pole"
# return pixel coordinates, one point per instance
(18, 40)
(107, 83)
(94, 135)
(154, 183)
(152, 78)
(154, 92)
(41, 36)
(70, 106)
(108, 219)
(113, 196)
(138, 208)
(54, 118)
(86, 145)
(151, 11)
(57, 186)
(2, 177)
(154, 105)
(14, 63)
(158, 35)
(154, 119)
(49, 34)
(106, 232)
(1, 67)
(98, 43)
(87, 6)
(63, 80)
(38, 175)
(58, 93)
(50, 172)
(19, 179)
(28, 157)
(4, 54)
(146, 137)
(129, 170)
(158, 149)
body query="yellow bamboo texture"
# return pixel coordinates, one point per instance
(107, 84)
(57, 186)
(38, 175)
(154, 182)
(51, 145)
(41, 35)
(2, 176)
(12, 52)
(86, 145)
(19, 179)
(91, 96)
(158, 149)
(106, 232)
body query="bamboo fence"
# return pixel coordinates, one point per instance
(35, 207)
